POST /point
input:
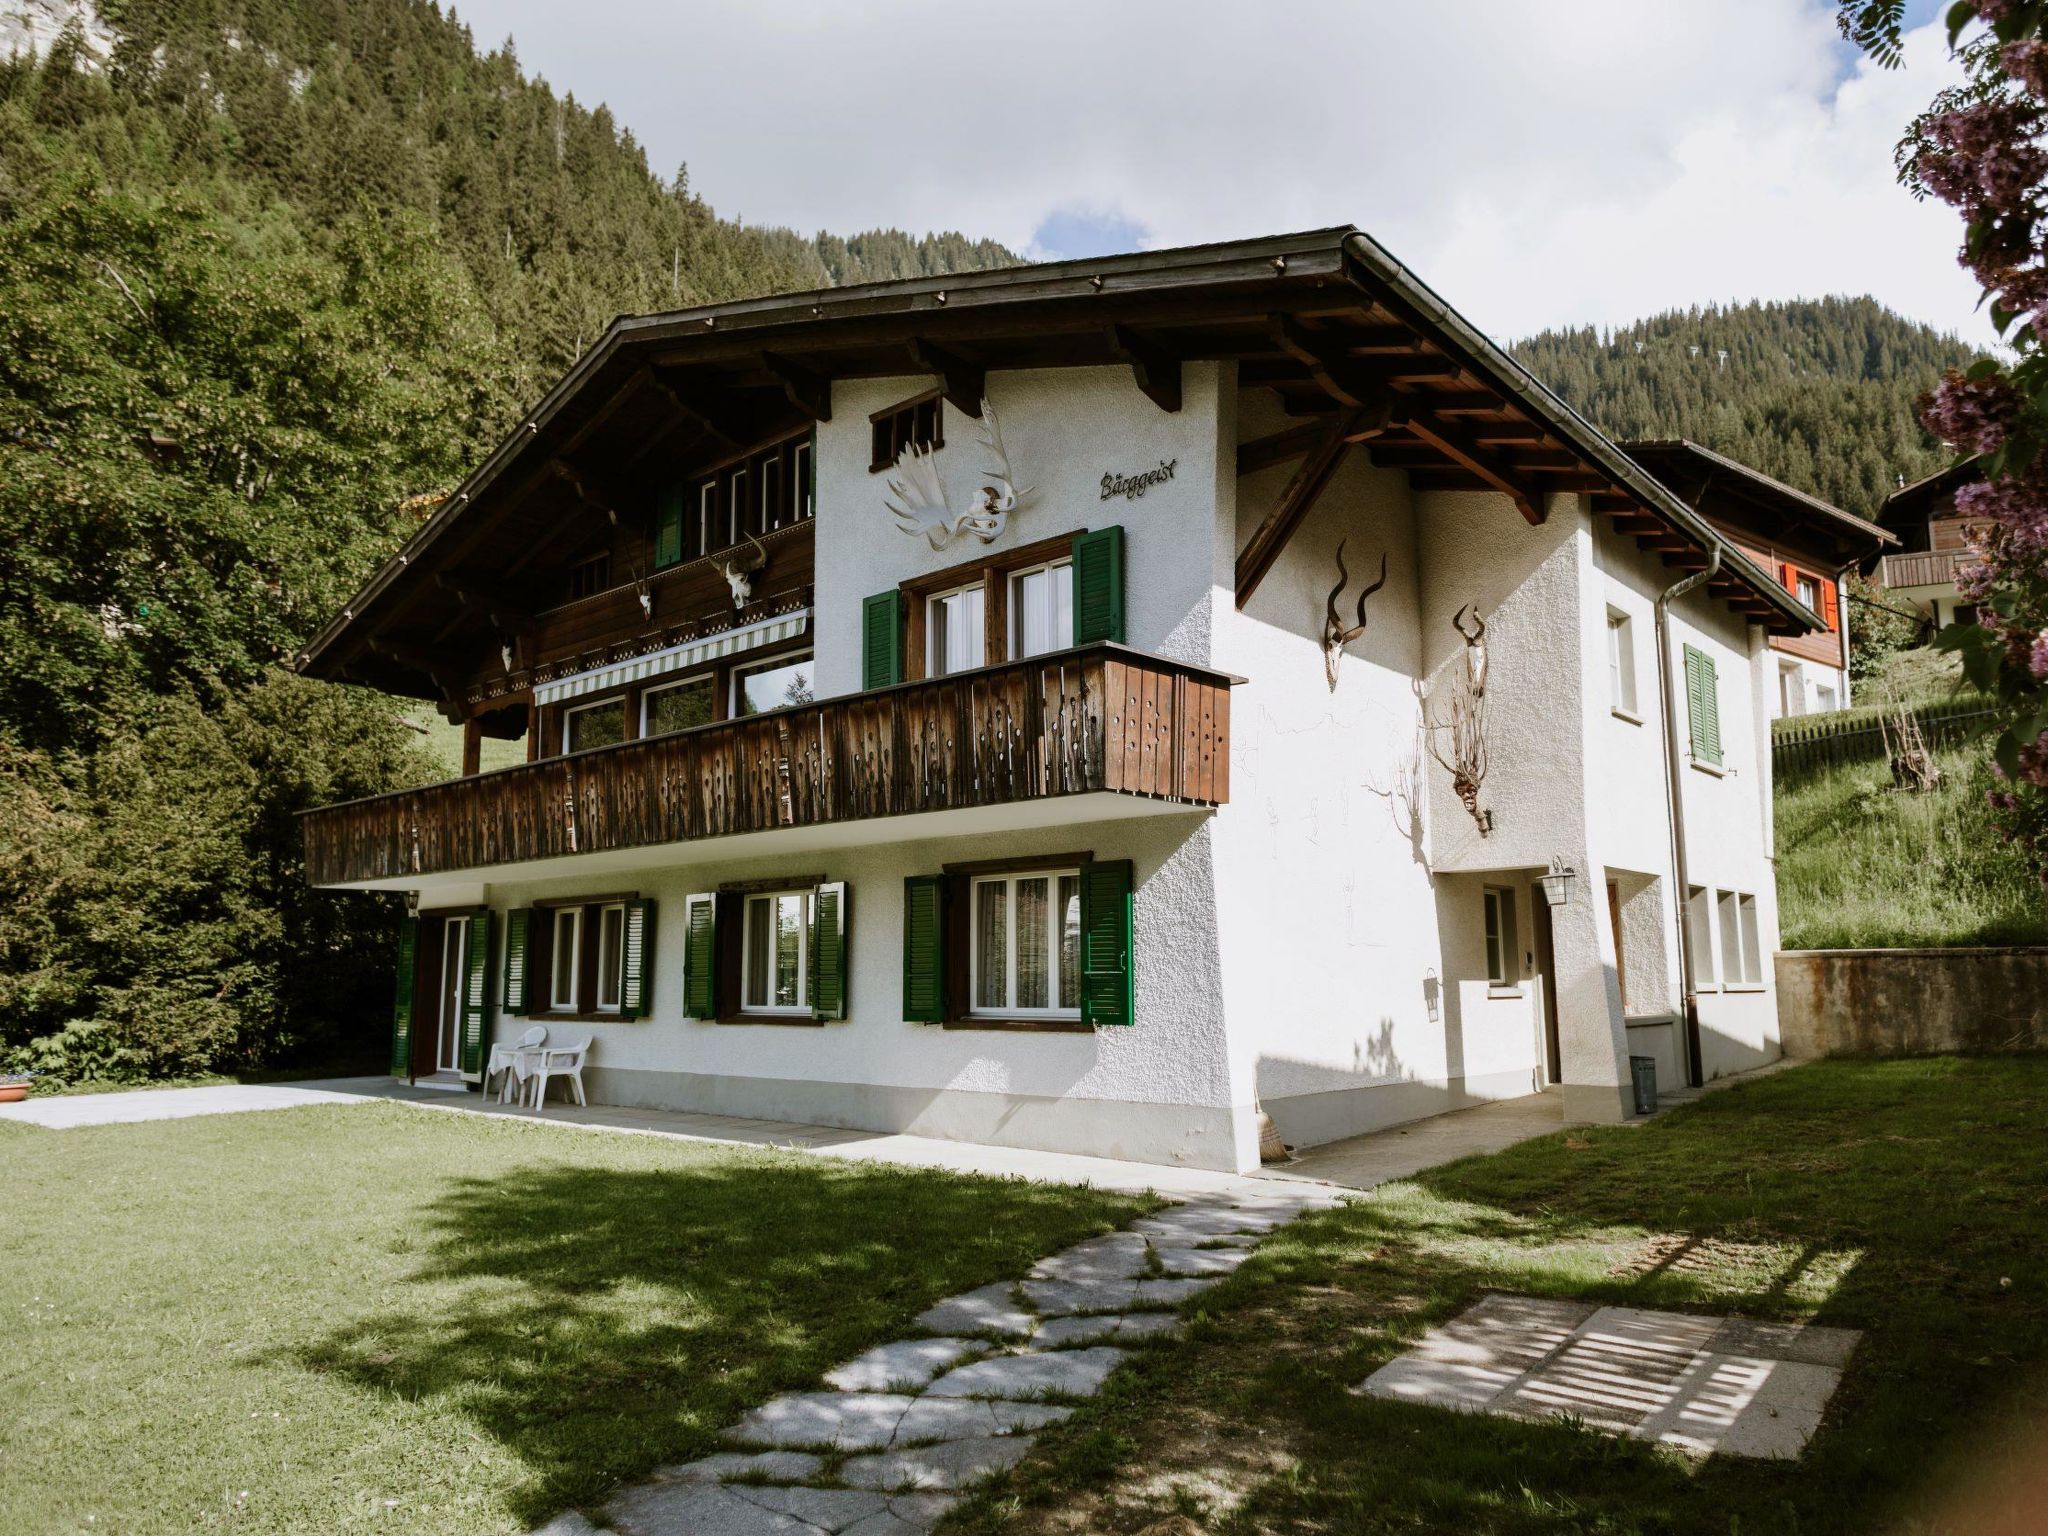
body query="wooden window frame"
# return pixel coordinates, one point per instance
(959, 940)
(889, 433)
(994, 572)
(808, 895)
(605, 701)
(761, 664)
(600, 562)
(1014, 640)
(544, 928)
(648, 692)
(932, 667)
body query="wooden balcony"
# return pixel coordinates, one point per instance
(1936, 568)
(1100, 719)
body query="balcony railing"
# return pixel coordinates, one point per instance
(1935, 568)
(1103, 718)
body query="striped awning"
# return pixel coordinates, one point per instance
(676, 658)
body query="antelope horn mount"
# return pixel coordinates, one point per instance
(738, 570)
(1475, 646)
(1336, 634)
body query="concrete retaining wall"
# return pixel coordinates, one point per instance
(1890, 1002)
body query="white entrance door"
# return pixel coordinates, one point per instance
(454, 936)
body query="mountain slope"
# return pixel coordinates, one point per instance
(1818, 393)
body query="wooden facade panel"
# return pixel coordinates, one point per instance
(1068, 723)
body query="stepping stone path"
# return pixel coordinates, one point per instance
(904, 1429)
(1703, 1385)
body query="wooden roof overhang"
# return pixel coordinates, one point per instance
(1350, 341)
(1694, 471)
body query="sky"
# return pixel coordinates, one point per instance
(1564, 163)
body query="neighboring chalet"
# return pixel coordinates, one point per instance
(1933, 542)
(1809, 545)
(1017, 706)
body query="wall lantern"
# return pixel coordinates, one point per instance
(1432, 993)
(1557, 885)
(412, 903)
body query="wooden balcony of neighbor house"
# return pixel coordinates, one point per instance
(1101, 720)
(1932, 568)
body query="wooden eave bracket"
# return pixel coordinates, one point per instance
(962, 382)
(808, 390)
(706, 416)
(1310, 477)
(1156, 370)
(1455, 443)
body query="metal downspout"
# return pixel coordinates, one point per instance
(1675, 800)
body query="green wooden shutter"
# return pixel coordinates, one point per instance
(1703, 705)
(476, 994)
(401, 1008)
(881, 640)
(1099, 586)
(1108, 984)
(636, 985)
(828, 951)
(924, 949)
(518, 992)
(700, 957)
(668, 527)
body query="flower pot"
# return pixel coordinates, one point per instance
(11, 1093)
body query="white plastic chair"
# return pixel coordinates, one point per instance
(505, 1059)
(557, 1061)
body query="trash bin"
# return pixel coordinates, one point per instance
(1644, 1070)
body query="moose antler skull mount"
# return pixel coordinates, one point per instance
(1336, 633)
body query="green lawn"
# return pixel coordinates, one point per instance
(1906, 1198)
(333, 1319)
(1862, 865)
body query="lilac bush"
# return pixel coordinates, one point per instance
(1982, 147)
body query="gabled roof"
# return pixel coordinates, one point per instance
(1913, 500)
(1679, 461)
(1351, 340)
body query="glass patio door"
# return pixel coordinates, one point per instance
(454, 939)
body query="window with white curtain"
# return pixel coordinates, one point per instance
(1042, 609)
(1026, 952)
(776, 953)
(954, 633)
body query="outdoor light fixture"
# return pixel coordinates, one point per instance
(1557, 885)
(1432, 992)
(412, 903)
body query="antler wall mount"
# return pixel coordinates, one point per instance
(917, 497)
(1457, 738)
(1337, 634)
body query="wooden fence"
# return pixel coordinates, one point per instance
(1804, 743)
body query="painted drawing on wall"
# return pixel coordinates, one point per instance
(917, 496)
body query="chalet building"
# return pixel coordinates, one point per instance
(1084, 706)
(1932, 542)
(1809, 545)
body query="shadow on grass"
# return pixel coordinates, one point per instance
(598, 1321)
(1905, 1199)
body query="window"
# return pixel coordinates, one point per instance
(1703, 706)
(774, 512)
(707, 518)
(736, 505)
(678, 706)
(1807, 590)
(1823, 698)
(1699, 938)
(1042, 609)
(568, 959)
(917, 423)
(594, 725)
(589, 577)
(782, 683)
(1025, 954)
(1621, 662)
(955, 638)
(611, 949)
(800, 479)
(775, 953)
(1791, 692)
(1501, 939)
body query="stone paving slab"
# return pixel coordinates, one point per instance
(1192, 1262)
(950, 1466)
(907, 1363)
(1061, 1298)
(1657, 1376)
(992, 1309)
(697, 1509)
(746, 1466)
(971, 1418)
(1067, 1373)
(844, 1421)
(1065, 1332)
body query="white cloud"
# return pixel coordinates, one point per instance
(1540, 165)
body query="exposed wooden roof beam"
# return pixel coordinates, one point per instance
(1277, 447)
(808, 390)
(1156, 370)
(1456, 443)
(1310, 478)
(708, 416)
(964, 383)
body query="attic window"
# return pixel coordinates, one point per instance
(589, 577)
(916, 423)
